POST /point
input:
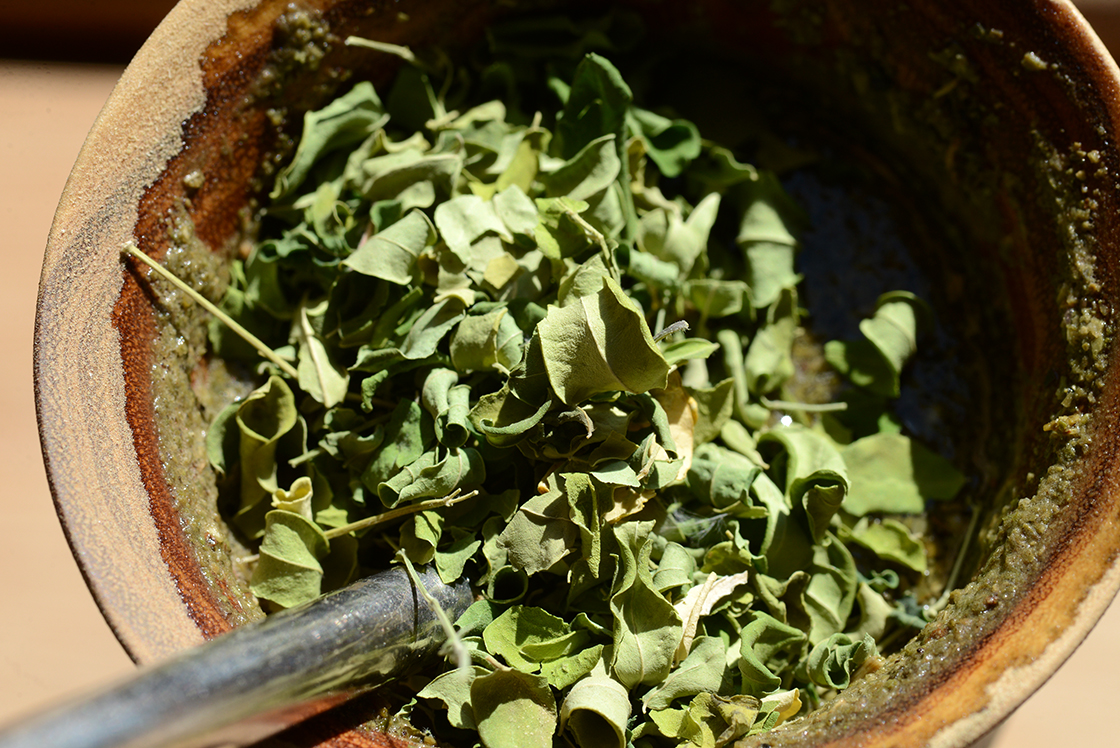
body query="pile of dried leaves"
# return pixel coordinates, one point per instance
(478, 318)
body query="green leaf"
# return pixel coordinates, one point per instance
(584, 510)
(714, 406)
(596, 711)
(404, 443)
(487, 341)
(721, 477)
(785, 544)
(647, 628)
(821, 502)
(453, 688)
(430, 328)
(671, 144)
(516, 210)
(717, 298)
(464, 219)
(565, 671)
(831, 592)
(420, 534)
(513, 710)
(713, 721)
(540, 535)
(704, 669)
(223, 438)
(391, 253)
(616, 473)
(596, 107)
(689, 349)
(432, 477)
(448, 403)
(664, 234)
(526, 636)
(891, 540)
(769, 360)
(891, 340)
(832, 662)
(560, 231)
(812, 459)
(263, 418)
(409, 176)
(600, 344)
(345, 121)
(588, 174)
(297, 499)
(892, 473)
(321, 375)
(675, 569)
(288, 572)
(767, 239)
(767, 647)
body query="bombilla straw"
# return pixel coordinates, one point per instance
(263, 677)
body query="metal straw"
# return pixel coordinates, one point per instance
(260, 678)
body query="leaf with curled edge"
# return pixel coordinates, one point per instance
(596, 711)
(598, 344)
(526, 637)
(321, 375)
(699, 602)
(831, 593)
(270, 427)
(832, 662)
(767, 647)
(288, 572)
(811, 459)
(766, 236)
(345, 121)
(432, 476)
(890, 341)
(646, 629)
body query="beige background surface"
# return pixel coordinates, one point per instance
(53, 641)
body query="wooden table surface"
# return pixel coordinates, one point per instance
(53, 641)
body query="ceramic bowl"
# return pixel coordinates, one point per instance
(993, 125)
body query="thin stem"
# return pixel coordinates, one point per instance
(307, 456)
(805, 407)
(462, 656)
(402, 511)
(248, 337)
(404, 53)
(958, 563)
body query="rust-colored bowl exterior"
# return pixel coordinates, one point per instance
(1010, 112)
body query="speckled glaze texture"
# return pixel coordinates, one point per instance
(1007, 113)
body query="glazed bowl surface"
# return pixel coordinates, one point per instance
(990, 127)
